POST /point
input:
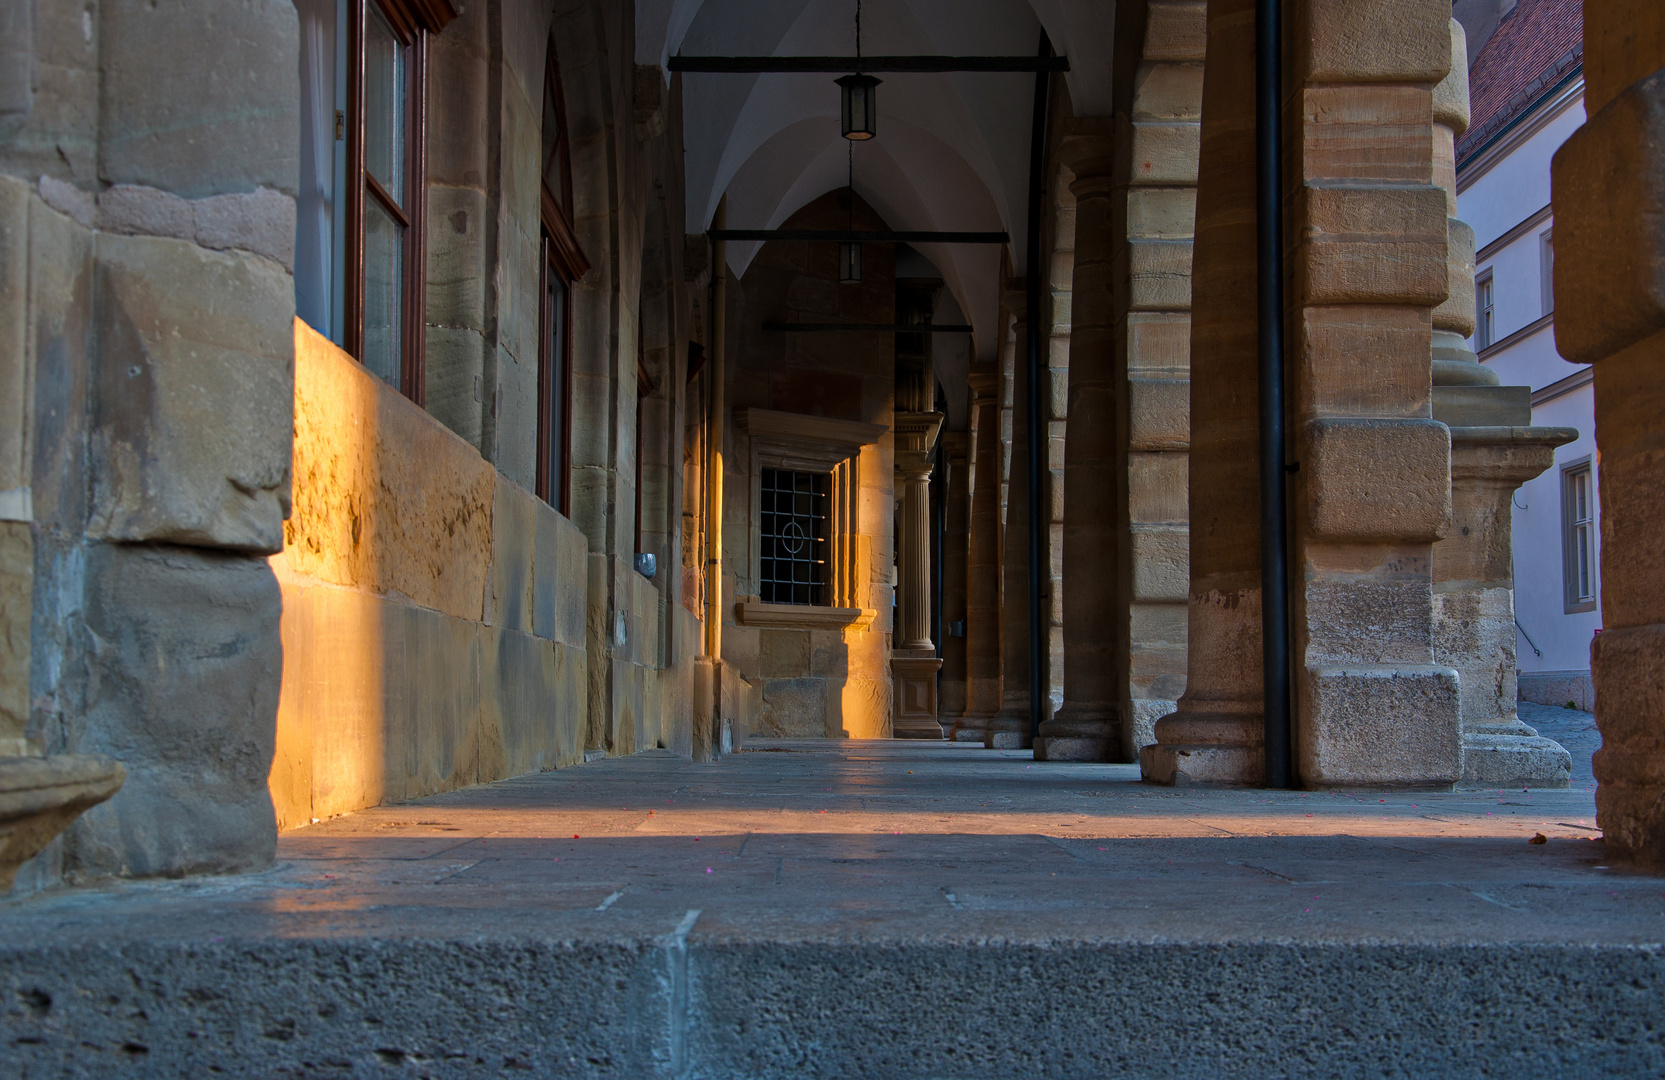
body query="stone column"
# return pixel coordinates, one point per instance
(1371, 488)
(1609, 198)
(913, 660)
(1088, 725)
(1010, 728)
(951, 703)
(1494, 449)
(982, 590)
(1216, 734)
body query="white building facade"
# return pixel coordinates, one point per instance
(1504, 193)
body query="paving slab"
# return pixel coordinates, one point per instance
(888, 909)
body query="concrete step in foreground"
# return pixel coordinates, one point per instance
(870, 912)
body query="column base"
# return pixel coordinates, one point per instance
(1008, 732)
(914, 674)
(1198, 764)
(970, 729)
(1505, 760)
(1198, 748)
(1081, 731)
(1379, 727)
(1628, 668)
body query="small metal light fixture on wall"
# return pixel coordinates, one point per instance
(859, 112)
(849, 263)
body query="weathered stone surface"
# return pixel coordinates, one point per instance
(183, 691)
(1372, 244)
(40, 796)
(1164, 153)
(1161, 557)
(560, 578)
(509, 602)
(191, 434)
(15, 374)
(17, 593)
(794, 708)
(1609, 243)
(784, 654)
(1367, 41)
(386, 499)
(1158, 414)
(1628, 666)
(221, 115)
(1176, 30)
(261, 221)
(1378, 726)
(1377, 479)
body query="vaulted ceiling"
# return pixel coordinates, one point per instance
(952, 151)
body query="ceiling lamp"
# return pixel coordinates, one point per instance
(859, 112)
(849, 263)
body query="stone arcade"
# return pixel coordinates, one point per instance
(408, 396)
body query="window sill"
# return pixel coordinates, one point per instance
(802, 616)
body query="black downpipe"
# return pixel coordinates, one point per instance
(1038, 666)
(1274, 539)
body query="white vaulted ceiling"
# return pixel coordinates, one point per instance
(952, 151)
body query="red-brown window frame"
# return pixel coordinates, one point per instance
(561, 257)
(412, 21)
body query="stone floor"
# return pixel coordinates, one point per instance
(887, 909)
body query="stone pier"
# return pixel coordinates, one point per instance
(1609, 199)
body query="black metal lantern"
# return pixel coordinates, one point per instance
(859, 113)
(849, 264)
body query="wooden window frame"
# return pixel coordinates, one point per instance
(1571, 563)
(413, 21)
(561, 256)
(1485, 314)
(1546, 270)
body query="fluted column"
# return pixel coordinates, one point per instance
(913, 659)
(1088, 725)
(916, 554)
(1494, 449)
(1011, 728)
(982, 589)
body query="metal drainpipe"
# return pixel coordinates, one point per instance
(1032, 280)
(1274, 539)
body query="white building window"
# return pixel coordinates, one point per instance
(1485, 323)
(1546, 269)
(1578, 535)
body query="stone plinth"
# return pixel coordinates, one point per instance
(40, 796)
(914, 672)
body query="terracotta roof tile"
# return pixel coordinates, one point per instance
(1536, 45)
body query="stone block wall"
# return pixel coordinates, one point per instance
(826, 681)
(433, 620)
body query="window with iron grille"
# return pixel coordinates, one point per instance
(793, 517)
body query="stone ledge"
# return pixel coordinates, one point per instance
(803, 616)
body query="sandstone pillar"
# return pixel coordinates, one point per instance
(1371, 487)
(914, 662)
(1609, 198)
(1010, 728)
(1216, 733)
(951, 702)
(1088, 725)
(1494, 449)
(982, 590)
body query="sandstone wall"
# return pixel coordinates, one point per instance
(433, 624)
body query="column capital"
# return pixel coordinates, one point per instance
(984, 380)
(1088, 149)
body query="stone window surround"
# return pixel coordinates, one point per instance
(562, 259)
(780, 440)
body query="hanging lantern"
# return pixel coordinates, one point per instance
(849, 264)
(859, 113)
